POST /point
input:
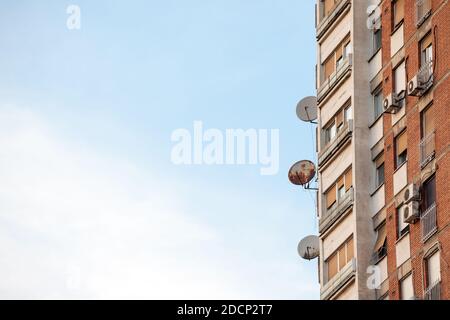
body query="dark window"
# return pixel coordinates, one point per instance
(377, 103)
(401, 149)
(376, 45)
(379, 173)
(429, 193)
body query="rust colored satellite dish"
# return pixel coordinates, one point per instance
(302, 172)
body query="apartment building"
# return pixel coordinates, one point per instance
(383, 94)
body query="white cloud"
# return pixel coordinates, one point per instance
(76, 225)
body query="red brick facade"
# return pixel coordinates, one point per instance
(439, 95)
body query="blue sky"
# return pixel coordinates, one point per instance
(91, 205)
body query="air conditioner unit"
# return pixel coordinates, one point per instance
(391, 103)
(415, 87)
(411, 194)
(411, 212)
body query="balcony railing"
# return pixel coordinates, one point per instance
(340, 279)
(427, 149)
(423, 11)
(433, 292)
(326, 21)
(425, 75)
(334, 79)
(429, 222)
(329, 149)
(332, 214)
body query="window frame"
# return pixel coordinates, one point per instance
(400, 66)
(428, 281)
(402, 228)
(349, 242)
(401, 282)
(378, 182)
(340, 53)
(377, 40)
(423, 130)
(337, 186)
(378, 92)
(328, 131)
(381, 253)
(394, 9)
(398, 156)
(425, 203)
(426, 53)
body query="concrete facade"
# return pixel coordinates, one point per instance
(363, 167)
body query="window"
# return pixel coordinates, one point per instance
(426, 50)
(379, 170)
(332, 266)
(330, 131)
(327, 6)
(407, 288)
(401, 149)
(336, 59)
(376, 40)
(427, 122)
(429, 193)
(377, 103)
(331, 196)
(340, 258)
(400, 78)
(380, 250)
(402, 226)
(433, 270)
(348, 114)
(348, 179)
(398, 12)
(339, 189)
(427, 130)
(329, 67)
(337, 123)
(347, 47)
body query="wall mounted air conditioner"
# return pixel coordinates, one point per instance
(391, 103)
(411, 212)
(412, 193)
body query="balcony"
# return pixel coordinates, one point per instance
(425, 76)
(429, 222)
(332, 147)
(338, 281)
(423, 11)
(326, 22)
(433, 292)
(331, 215)
(341, 73)
(427, 149)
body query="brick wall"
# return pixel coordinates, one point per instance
(440, 97)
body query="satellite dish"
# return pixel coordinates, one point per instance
(308, 248)
(302, 172)
(307, 109)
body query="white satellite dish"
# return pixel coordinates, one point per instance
(308, 248)
(307, 109)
